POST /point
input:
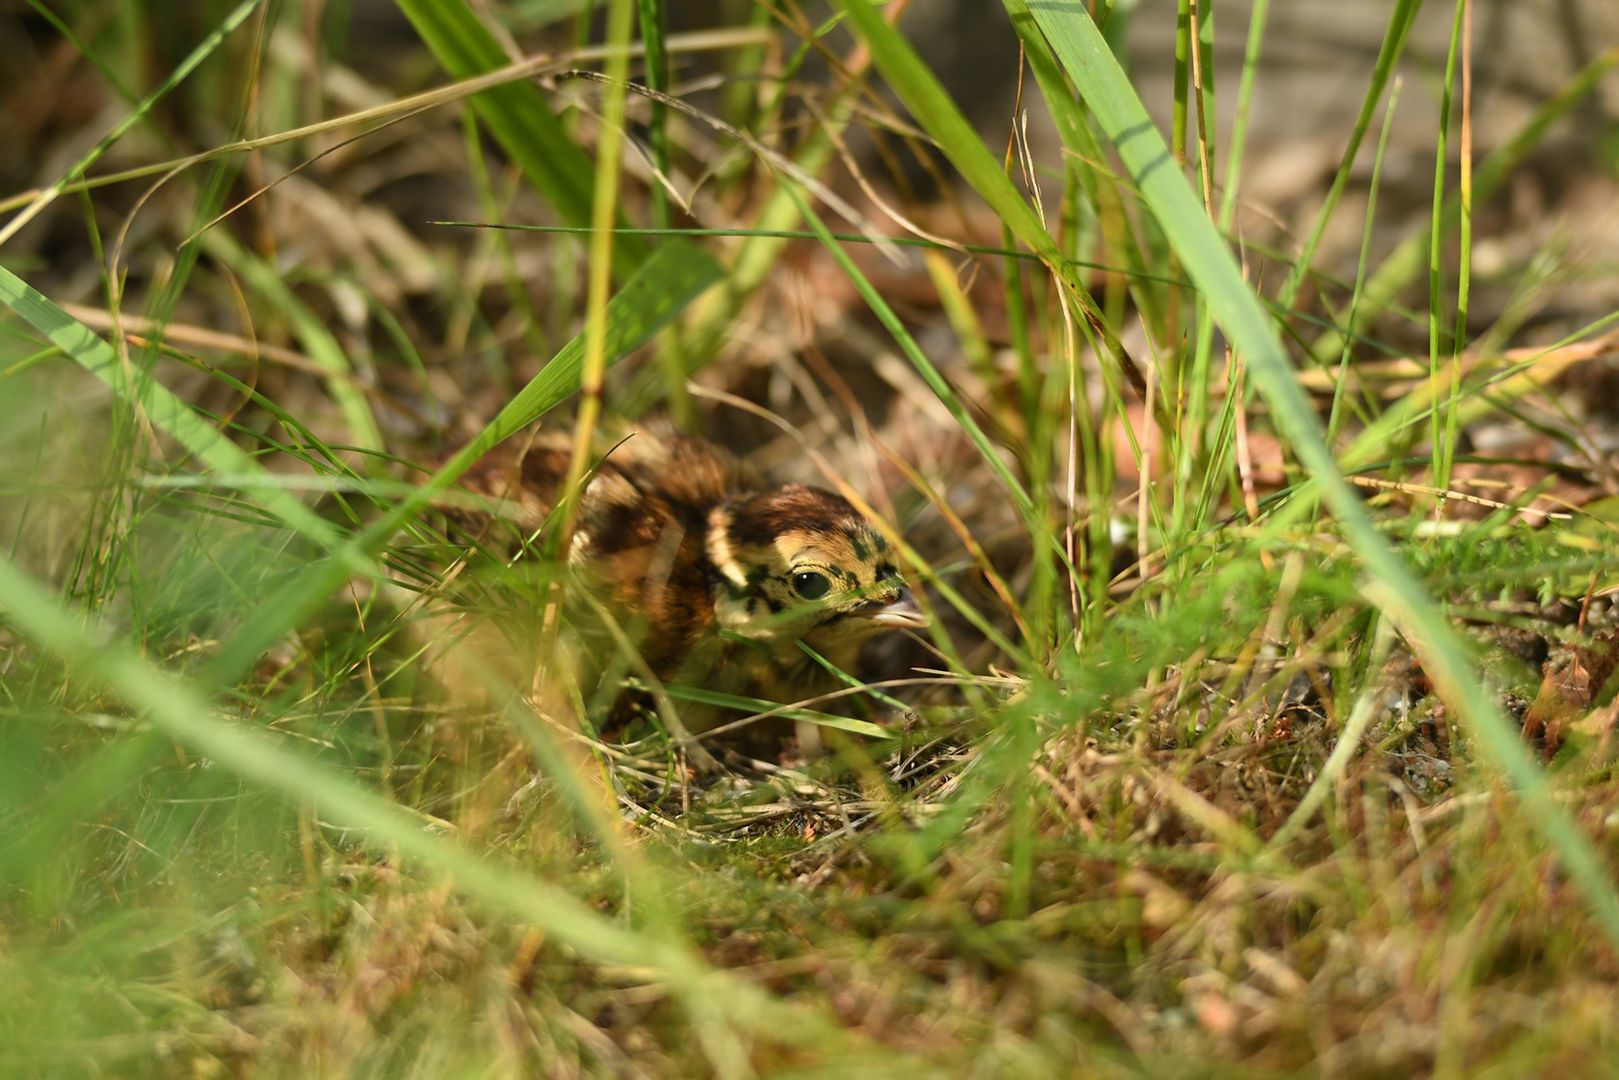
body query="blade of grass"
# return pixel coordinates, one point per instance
(163, 409)
(1353, 317)
(319, 343)
(1038, 528)
(842, 237)
(594, 363)
(1406, 261)
(939, 116)
(1399, 30)
(205, 48)
(654, 18)
(1100, 185)
(654, 29)
(762, 709)
(1082, 50)
(675, 275)
(184, 714)
(517, 116)
(1196, 397)
(1451, 338)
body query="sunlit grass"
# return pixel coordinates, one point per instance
(1219, 771)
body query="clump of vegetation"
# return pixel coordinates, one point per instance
(1264, 718)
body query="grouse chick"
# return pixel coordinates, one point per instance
(720, 577)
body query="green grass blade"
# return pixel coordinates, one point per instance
(1086, 152)
(517, 116)
(182, 713)
(654, 29)
(319, 343)
(675, 275)
(1094, 69)
(1441, 340)
(939, 116)
(1410, 258)
(758, 706)
(1399, 29)
(163, 409)
(203, 50)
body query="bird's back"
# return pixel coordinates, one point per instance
(639, 541)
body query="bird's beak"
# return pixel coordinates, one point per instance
(901, 614)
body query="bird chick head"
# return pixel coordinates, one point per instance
(798, 563)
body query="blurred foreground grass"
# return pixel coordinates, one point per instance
(1247, 767)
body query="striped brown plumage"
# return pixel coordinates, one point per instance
(717, 576)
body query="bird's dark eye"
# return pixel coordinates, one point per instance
(810, 585)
